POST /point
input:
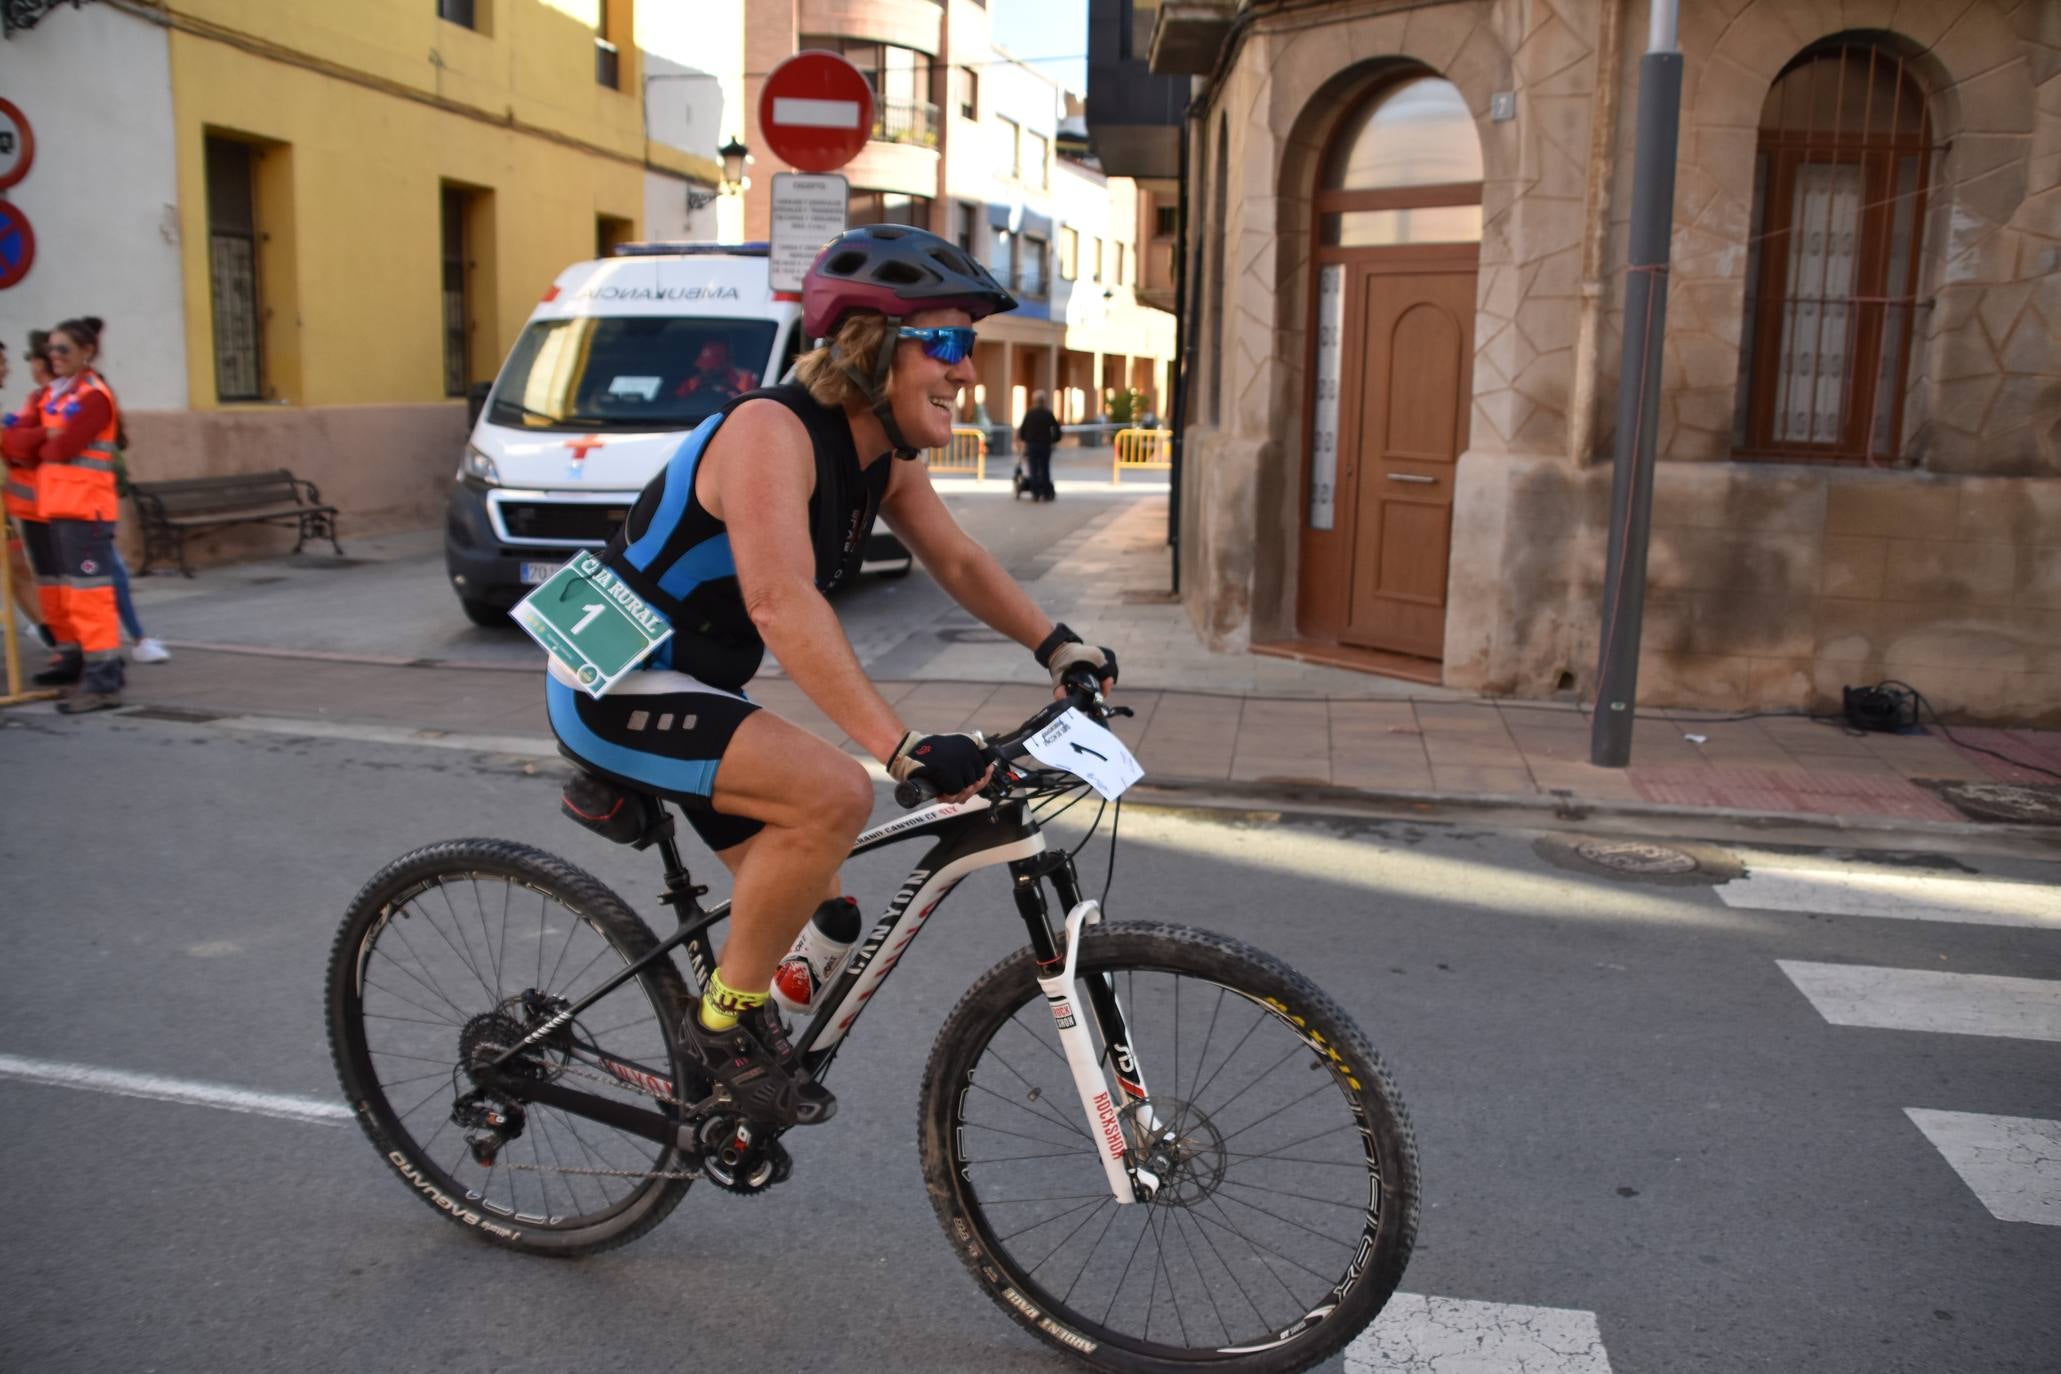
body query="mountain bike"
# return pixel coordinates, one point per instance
(1155, 1147)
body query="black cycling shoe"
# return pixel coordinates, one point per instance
(749, 1061)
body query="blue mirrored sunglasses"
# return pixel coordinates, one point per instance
(946, 343)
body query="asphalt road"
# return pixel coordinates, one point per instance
(1625, 1106)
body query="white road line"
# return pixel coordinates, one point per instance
(2011, 1163)
(1896, 895)
(1454, 1336)
(1922, 1000)
(51, 1073)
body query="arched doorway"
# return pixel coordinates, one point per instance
(1397, 236)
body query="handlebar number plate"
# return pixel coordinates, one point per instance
(1088, 751)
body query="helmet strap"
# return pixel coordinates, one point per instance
(883, 404)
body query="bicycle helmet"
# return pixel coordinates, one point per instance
(896, 271)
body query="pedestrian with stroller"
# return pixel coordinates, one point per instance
(1038, 433)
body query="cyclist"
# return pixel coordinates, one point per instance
(762, 510)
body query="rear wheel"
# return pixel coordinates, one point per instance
(453, 954)
(1286, 1202)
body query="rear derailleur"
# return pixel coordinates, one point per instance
(488, 1122)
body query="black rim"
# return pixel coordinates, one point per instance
(457, 964)
(1270, 1210)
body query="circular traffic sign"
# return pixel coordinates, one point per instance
(17, 244)
(17, 144)
(816, 111)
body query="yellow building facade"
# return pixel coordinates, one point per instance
(371, 198)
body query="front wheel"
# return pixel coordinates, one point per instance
(1285, 1201)
(459, 951)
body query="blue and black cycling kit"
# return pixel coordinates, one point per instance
(665, 726)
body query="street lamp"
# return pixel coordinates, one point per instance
(734, 155)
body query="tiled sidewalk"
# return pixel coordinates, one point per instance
(1531, 752)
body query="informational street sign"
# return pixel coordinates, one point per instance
(808, 212)
(816, 111)
(592, 623)
(17, 245)
(17, 144)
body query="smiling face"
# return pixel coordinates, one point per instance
(925, 391)
(68, 356)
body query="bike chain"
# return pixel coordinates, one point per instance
(581, 1071)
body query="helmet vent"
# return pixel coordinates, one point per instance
(845, 264)
(900, 274)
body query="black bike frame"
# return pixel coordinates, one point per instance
(967, 835)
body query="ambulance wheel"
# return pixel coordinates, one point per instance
(484, 613)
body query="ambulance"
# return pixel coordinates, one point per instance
(619, 360)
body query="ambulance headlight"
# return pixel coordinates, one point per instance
(479, 467)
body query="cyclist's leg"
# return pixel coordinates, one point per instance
(813, 799)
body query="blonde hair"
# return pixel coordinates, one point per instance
(827, 371)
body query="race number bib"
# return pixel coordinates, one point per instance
(1088, 751)
(590, 621)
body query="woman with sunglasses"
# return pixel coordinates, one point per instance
(763, 510)
(71, 448)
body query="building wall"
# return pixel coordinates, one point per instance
(1772, 583)
(101, 198)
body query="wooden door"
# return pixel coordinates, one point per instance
(1416, 350)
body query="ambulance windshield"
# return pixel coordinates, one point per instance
(628, 372)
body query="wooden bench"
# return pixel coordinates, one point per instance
(171, 510)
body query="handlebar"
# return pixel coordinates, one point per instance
(1083, 693)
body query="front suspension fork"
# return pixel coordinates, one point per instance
(1057, 958)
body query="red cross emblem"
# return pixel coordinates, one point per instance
(582, 446)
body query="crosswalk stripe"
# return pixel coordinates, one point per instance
(1457, 1336)
(1896, 895)
(2011, 1163)
(1923, 1000)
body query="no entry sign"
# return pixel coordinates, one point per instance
(816, 111)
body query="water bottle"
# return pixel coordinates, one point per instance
(818, 955)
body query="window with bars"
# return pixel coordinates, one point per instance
(1032, 258)
(457, 12)
(233, 271)
(903, 111)
(1069, 253)
(1832, 269)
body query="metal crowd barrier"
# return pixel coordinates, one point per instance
(968, 452)
(1142, 448)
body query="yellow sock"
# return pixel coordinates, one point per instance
(722, 1005)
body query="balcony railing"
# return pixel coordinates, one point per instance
(905, 121)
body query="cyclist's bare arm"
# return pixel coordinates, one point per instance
(763, 471)
(919, 518)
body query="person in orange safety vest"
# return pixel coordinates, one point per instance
(31, 542)
(72, 452)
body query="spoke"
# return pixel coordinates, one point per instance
(1089, 1258)
(1048, 1154)
(1360, 1207)
(1040, 1116)
(1259, 1018)
(1285, 1221)
(376, 1053)
(1023, 1231)
(1036, 1090)
(1034, 1037)
(1262, 1076)
(493, 958)
(1055, 1197)
(1001, 1130)
(1117, 1292)
(408, 1020)
(1276, 1151)
(1173, 1295)
(442, 1076)
(1277, 1112)
(403, 1116)
(1229, 1273)
(1228, 1225)
(465, 954)
(1209, 1034)
(1069, 1236)
(433, 989)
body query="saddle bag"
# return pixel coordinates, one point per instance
(609, 809)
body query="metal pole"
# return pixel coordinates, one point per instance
(1638, 397)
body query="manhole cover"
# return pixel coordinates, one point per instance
(2005, 802)
(1636, 856)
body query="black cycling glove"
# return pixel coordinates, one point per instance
(1063, 650)
(950, 763)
